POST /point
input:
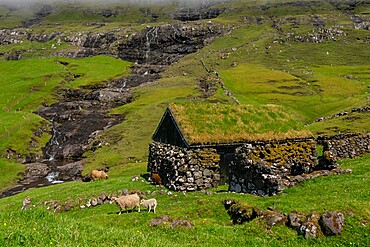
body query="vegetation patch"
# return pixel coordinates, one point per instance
(225, 123)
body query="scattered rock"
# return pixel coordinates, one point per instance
(160, 220)
(181, 223)
(332, 223)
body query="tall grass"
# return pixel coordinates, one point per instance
(224, 123)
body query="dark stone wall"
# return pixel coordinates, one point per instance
(183, 169)
(268, 168)
(346, 145)
(261, 168)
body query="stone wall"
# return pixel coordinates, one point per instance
(184, 169)
(268, 168)
(346, 145)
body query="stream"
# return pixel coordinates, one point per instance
(81, 114)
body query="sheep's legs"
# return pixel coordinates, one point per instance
(149, 208)
(154, 208)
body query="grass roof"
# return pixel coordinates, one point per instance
(205, 123)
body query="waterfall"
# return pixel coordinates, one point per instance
(151, 37)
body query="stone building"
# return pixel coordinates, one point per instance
(252, 149)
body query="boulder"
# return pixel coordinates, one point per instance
(332, 223)
(71, 171)
(37, 170)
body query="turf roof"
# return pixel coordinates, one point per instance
(207, 123)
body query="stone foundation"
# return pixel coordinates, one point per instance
(183, 169)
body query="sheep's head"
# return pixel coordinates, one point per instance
(113, 199)
(142, 201)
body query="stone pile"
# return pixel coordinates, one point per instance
(184, 169)
(267, 169)
(340, 114)
(310, 225)
(318, 35)
(12, 36)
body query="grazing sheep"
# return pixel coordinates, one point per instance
(149, 204)
(26, 203)
(156, 178)
(98, 174)
(125, 202)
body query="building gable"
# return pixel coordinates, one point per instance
(168, 131)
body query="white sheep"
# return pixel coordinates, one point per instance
(98, 174)
(149, 204)
(125, 202)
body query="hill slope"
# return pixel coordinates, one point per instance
(311, 58)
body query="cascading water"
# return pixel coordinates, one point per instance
(79, 114)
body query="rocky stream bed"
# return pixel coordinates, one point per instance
(81, 114)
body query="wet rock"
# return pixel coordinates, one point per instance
(332, 223)
(71, 171)
(166, 44)
(37, 170)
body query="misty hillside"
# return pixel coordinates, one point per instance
(84, 85)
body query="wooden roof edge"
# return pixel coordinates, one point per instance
(168, 111)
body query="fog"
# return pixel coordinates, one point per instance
(147, 2)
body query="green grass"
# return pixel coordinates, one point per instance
(344, 193)
(307, 80)
(12, 170)
(225, 123)
(29, 84)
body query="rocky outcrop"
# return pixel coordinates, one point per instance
(184, 169)
(318, 35)
(36, 170)
(190, 14)
(79, 115)
(102, 40)
(12, 36)
(39, 15)
(166, 44)
(71, 171)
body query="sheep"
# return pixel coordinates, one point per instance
(149, 204)
(125, 202)
(98, 174)
(26, 203)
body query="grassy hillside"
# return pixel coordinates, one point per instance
(261, 61)
(102, 226)
(29, 84)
